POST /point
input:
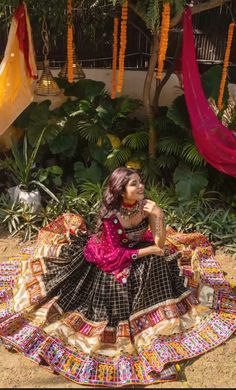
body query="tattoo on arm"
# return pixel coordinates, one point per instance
(157, 225)
(160, 226)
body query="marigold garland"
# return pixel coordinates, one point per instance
(225, 66)
(70, 42)
(115, 56)
(165, 25)
(123, 41)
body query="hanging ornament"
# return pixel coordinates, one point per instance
(165, 25)
(225, 66)
(46, 86)
(115, 55)
(78, 72)
(71, 69)
(123, 41)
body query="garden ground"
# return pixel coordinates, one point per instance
(216, 369)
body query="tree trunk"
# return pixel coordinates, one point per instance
(169, 70)
(147, 97)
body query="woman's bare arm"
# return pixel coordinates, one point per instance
(157, 225)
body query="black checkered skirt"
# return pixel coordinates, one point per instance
(83, 287)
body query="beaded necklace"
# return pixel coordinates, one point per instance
(127, 211)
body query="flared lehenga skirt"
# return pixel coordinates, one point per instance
(68, 315)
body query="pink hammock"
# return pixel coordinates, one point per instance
(215, 143)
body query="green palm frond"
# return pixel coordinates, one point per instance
(166, 161)
(90, 131)
(136, 141)
(163, 124)
(117, 158)
(170, 146)
(150, 171)
(191, 155)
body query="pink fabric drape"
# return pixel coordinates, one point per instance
(107, 252)
(215, 143)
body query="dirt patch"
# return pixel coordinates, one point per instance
(215, 369)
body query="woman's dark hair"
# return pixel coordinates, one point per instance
(112, 198)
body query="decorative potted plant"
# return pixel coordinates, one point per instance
(20, 165)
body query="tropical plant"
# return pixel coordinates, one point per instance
(205, 212)
(217, 224)
(92, 192)
(162, 195)
(93, 173)
(20, 166)
(176, 142)
(22, 220)
(189, 183)
(86, 125)
(50, 174)
(97, 119)
(149, 12)
(37, 119)
(71, 200)
(18, 218)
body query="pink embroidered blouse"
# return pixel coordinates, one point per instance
(111, 251)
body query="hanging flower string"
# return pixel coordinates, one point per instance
(123, 41)
(225, 66)
(165, 25)
(70, 42)
(115, 55)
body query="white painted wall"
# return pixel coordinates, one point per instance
(133, 84)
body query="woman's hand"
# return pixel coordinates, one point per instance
(150, 250)
(151, 208)
(156, 250)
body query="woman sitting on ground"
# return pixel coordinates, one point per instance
(119, 307)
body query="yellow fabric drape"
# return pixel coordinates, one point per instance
(16, 84)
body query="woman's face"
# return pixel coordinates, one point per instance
(134, 189)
